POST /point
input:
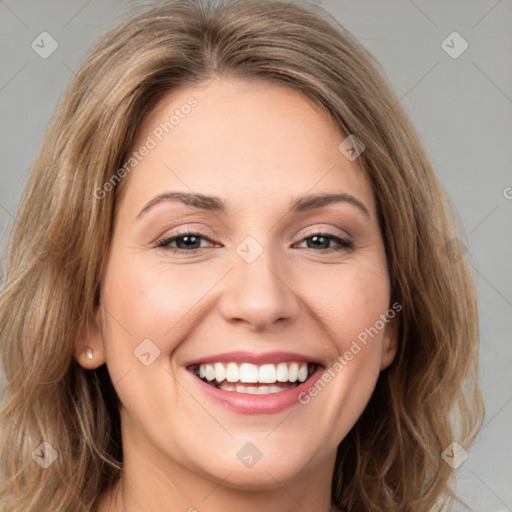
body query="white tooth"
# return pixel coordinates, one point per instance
(275, 389)
(232, 373)
(241, 389)
(210, 372)
(293, 372)
(220, 372)
(282, 372)
(252, 390)
(267, 373)
(303, 372)
(248, 372)
(263, 390)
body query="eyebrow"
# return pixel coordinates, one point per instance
(216, 204)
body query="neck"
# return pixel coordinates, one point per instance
(122, 498)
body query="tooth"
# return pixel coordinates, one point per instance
(275, 389)
(220, 372)
(227, 386)
(303, 372)
(293, 372)
(248, 372)
(232, 373)
(252, 390)
(282, 372)
(241, 389)
(210, 372)
(267, 373)
(262, 390)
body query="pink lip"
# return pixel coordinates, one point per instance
(245, 403)
(259, 359)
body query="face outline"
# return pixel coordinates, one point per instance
(257, 146)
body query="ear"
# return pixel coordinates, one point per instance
(389, 343)
(91, 338)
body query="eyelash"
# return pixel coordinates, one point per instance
(344, 244)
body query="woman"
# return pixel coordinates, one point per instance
(228, 284)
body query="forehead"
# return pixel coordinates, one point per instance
(249, 142)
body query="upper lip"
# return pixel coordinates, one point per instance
(255, 358)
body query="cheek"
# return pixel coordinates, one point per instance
(349, 299)
(156, 301)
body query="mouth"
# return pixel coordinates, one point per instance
(254, 379)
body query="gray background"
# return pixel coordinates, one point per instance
(462, 108)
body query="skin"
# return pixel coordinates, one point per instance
(256, 146)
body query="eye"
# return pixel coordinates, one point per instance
(186, 241)
(322, 242)
(189, 241)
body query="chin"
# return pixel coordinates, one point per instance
(249, 469)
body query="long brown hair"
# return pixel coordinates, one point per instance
(428, 398)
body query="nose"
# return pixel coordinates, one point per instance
(259, 294)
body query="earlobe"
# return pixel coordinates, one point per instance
(89, 348)
(90, 359)
(389, 344)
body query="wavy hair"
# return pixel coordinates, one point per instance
(429, 397)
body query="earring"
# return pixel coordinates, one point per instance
(88, 353)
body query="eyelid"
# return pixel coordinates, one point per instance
(335, 232)
(332, 231)
(187, 230)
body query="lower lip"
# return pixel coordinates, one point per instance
(245, 403)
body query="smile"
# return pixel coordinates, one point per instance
(254, 379)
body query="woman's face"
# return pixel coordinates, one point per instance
(224, 266)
